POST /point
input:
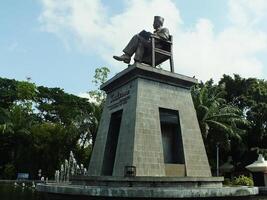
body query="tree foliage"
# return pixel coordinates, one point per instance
(98, 98)
(220, 122)
(39, 126)
(101, 75)
(233, 113)
(250, 95)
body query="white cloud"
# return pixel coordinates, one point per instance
(199, 51)
(247, 12)
(206, 54)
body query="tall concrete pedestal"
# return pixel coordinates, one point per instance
(149, 122)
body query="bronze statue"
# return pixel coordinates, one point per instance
(140, 44)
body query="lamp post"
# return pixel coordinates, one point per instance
(217, 158)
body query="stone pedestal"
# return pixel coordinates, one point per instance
(149, 122)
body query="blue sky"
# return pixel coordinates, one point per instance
(59, 43)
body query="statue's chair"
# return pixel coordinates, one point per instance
(160, 52)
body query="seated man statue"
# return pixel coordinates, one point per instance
(140, 44)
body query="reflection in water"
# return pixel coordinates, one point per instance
(17, 192)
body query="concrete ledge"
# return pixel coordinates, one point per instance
(139, 181)
(148, 178)
(150, 73)
(141, 192)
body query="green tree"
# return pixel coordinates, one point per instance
(54, 105)
(250, 96)
(219, 122)
(8, 94)
(98, 99)
(52, 144)
(100, 77)
(39, 126)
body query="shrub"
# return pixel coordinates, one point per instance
(243, 180)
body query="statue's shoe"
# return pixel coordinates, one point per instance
(125, 58)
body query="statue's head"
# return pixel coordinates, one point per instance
(158, 22)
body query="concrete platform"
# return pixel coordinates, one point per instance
(149, 192)
(147, 187)
(148, 181)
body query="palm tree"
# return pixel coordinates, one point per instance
(219, 122)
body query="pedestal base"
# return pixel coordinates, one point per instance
(146, 187)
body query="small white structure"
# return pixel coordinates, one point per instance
(259, 171)
(258, 166)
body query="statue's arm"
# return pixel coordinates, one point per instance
(163, 34)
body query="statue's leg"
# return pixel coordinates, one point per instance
(144, 48)
(139, 52)
(147, 57)
(131, 47)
